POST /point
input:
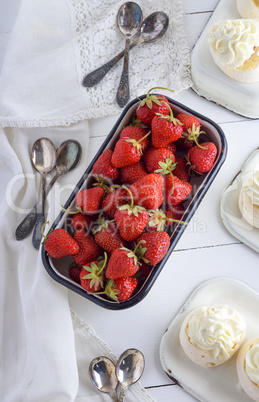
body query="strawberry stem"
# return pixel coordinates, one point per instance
(131, 196)
(167, 89)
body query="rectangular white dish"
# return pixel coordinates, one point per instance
(218, 383)
(210, 82)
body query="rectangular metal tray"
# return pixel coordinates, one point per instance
(58, 269)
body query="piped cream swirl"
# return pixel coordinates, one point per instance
(216, 330)
(252, 362)
(233, 42)
(249, 199)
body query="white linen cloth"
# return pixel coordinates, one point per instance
(44, 349)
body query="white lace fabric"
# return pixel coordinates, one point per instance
(51, 49)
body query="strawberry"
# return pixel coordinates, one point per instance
(89, 250)
(123, 262)
(154, 158)
(151, 105)
(144, 270)
(89, 200)
(176, 190)
(131, 173)
(92, 275)
(201, 158)
(60, 244)
(172, 146)
(120, 289)
(191, 130)
(165, 129)
(103, 168)
(174, 213)
(80, 221)
(148, 191)
(153, 246)
(136, 133)
(181, 169)
(113, 199)
(127, 151)
(125, 286)
(74, 272)
(107, 235)
(131, 220)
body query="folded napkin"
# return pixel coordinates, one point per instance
(44, 350)
(52, 48)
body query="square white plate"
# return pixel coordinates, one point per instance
(219, 383)
(210, 82)
(229, 209)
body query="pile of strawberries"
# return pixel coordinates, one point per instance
(119, 231)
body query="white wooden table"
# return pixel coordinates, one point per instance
(206, 250)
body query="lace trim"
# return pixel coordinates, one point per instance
(92, 340)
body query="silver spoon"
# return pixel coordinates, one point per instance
(68, 156)
(129, 19)
(102, 374)
(152, 29)
(129, 369)
(43, 158)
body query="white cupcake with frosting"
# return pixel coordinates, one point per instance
(248, 368)
(234, 46)
(248, 8)
(210, 335)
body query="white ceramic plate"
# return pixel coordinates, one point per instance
(210, 82)
(219, 383)
(229, 210)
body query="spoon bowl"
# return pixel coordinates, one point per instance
(129, 20)
(129, 369)
(152, 29)
(103, 377)
(68, 155)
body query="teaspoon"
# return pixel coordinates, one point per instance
(68, 156)
(102, 374)
(152, 29)
(129, 19)
(129, 369)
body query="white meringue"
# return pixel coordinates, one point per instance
(210, 335)
(248, 8)
(248, 368)
(249, 199)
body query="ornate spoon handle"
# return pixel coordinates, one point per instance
(123, 93)
(25, 227)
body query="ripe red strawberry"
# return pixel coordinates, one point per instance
(172, 146)
(74, 272)
(153, 247)
(151, 105)
(176, 190)
(80, 221)
(144, 270)
(148, 191)
(60, 244)
(125, 286)
(201, 158)
(120, 289)
(113, 199)
(191, 130)
(89, 250)
(123, 262)
(89, 200)
(108, 236)
(103, 167)
(155, 158)
(136, 133)
(92, 275)
(131, 220)
(174, 212)
(131, 173)
(165, 129)
(181, 169)
(127, 151)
